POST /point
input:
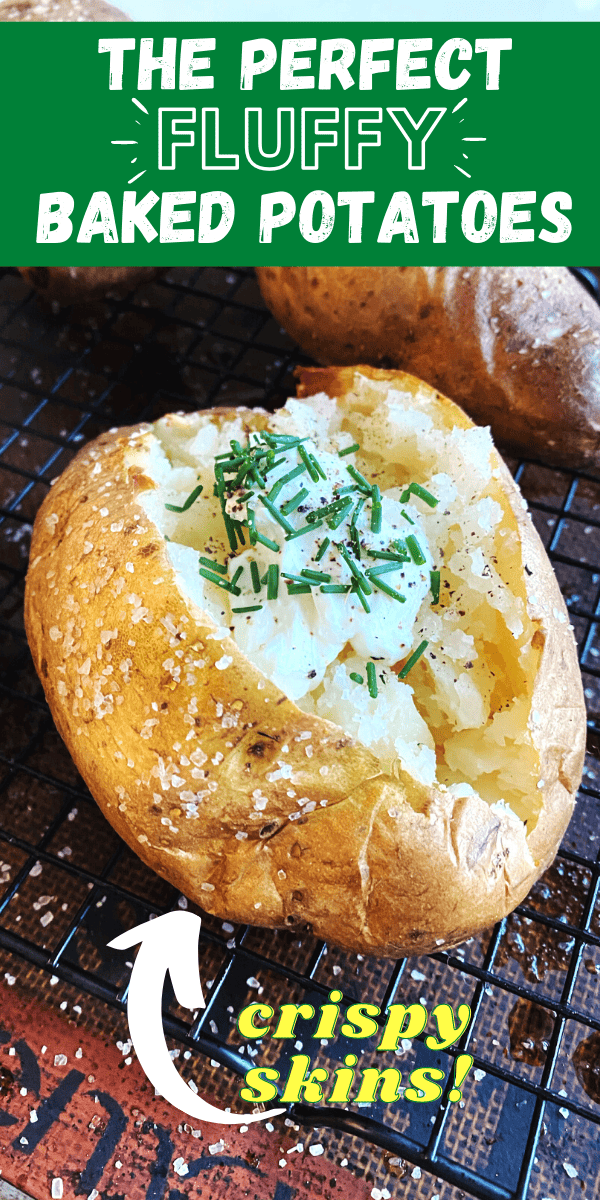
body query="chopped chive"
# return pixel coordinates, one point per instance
(384, 569)
(331, 588)
(277, 515)
(389, 556)
(416, 489)
(290, 506)
(293, 578)
(237, 575)
(318, 576)
(272, 582)
(343, 453)
(251, 526)
(286, 439)
(354, 538)
(265, 541)
(275, 490)
(410, 662)
(187, 503)
(406, 517)
(357, 511)
(298, 589)
(336, 518)
(316, 464)
(360, 479)
(254, 575)
(322, 549)
(356, 571)
(414, 550)
(356, 678)
(233, 463)
(310, 466)
(239, 532)
(434, 577)
(239, 479)
(280, 483)
(389, 591)
(213, 566)
(262, 483)
(230, 531)
(250, 608)
(299, 470)
(246, 496)
(220, 582)
(271, 466)
(326, 510)
(376, 511)
(305, 529)
(400, 547)
(357, 592)
(372, 680)
(343, 491)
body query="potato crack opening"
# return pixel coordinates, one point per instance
(461, 716)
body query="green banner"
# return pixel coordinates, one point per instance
(163, 143)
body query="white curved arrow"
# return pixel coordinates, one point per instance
(169, 943)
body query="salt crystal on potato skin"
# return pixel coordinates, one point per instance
(388, 865)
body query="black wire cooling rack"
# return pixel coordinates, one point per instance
(528, 1121)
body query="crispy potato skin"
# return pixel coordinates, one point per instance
(70, 285)
(518, 348)
(370, 871)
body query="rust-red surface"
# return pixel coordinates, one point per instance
(103, 1132)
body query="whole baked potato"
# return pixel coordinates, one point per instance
(71, 285)
(67, 285)
(517, 347)
(60, 10)
(314, 665)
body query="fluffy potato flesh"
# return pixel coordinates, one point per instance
(461, 716)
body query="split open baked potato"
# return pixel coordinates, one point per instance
(314, 665)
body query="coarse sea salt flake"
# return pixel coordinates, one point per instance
(224, 662)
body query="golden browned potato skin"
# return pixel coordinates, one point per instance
(69, 285)
(370, 871)
(517, 347)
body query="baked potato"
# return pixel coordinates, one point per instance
(517, 347)
(68, 285)
(71, 285)
(314, 665)
(60, 10)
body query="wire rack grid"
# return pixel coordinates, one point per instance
(188, 340)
